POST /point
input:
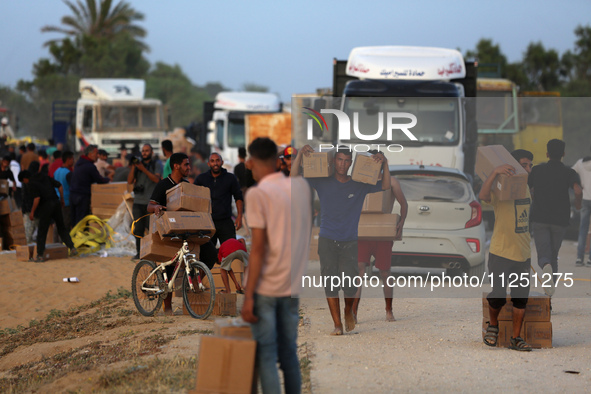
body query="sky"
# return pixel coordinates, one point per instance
(288, 46)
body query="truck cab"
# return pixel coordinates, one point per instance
(227, 131)
(113, 112)
(428, 85)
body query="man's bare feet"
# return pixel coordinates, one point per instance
(337, 331)
(390, 316)
(349, 321)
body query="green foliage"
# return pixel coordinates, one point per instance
(253, 87)
(184, 99)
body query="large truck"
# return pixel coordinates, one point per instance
(112, 113)
(239, 117)
(430, 87)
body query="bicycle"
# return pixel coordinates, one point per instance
(150, 284)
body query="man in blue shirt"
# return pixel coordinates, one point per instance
(63, 175)
(341, 201)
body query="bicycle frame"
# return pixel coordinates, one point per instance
(182, 255)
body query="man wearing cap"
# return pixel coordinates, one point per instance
(103, 166)
(286, 158)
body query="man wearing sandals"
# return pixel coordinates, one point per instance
(510, 254)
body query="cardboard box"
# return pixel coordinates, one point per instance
(106, 200)
(380, 202)
(25, 252)
(16, 232)
(4, 187)
(219, 283)
(366, 169)
(103, 213)
(128, 200)
(226, 365)
(378, 226)
(318, 164)
(1, 244)
(109, 188)
(54, 252)
(14, 219)
(537, 308)
(5, 206)
(229, 327)
(225, 304)
(153, 248)
(10, 243)
(188, 197)
(181, 222)
(504, 187)
(537, 334)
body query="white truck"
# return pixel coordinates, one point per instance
(229, 128)
(114, 112)
(415, 98)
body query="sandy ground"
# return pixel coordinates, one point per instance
(434, 345)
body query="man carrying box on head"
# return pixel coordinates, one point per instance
(232, 249)
(180, 166)
(509, 255)
(341, 201)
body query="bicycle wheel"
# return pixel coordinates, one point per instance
(147, 302)
(199, 302)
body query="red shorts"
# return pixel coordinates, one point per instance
(381, 250)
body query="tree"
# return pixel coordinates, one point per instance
(488, 53)
(100, 21)
(542, 67)
(171, 85)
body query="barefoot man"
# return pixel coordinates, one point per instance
(341, 200)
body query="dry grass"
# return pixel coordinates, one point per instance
(130, 358)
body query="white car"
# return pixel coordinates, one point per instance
(443, 227)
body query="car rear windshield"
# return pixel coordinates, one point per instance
(434, 188)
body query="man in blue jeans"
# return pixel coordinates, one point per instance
(583, 168)
(281, 229)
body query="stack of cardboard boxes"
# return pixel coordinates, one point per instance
(106, 198)
(188, 209)
(227, 359)
(504, 187)
(537, 327)
(12, 227)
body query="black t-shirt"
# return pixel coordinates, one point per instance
(43, 186)
(7, 175)
(159, 193)
(551, 182)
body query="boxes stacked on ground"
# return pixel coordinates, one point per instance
(179, 218)
(537, 327)
(106, 198)
(12, 229)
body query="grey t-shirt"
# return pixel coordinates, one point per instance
(142, 197)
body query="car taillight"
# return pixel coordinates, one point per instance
(476, 215)
(474, 244)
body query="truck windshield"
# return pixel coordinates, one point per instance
(236, 136)
(126, 117)
(438, 119)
